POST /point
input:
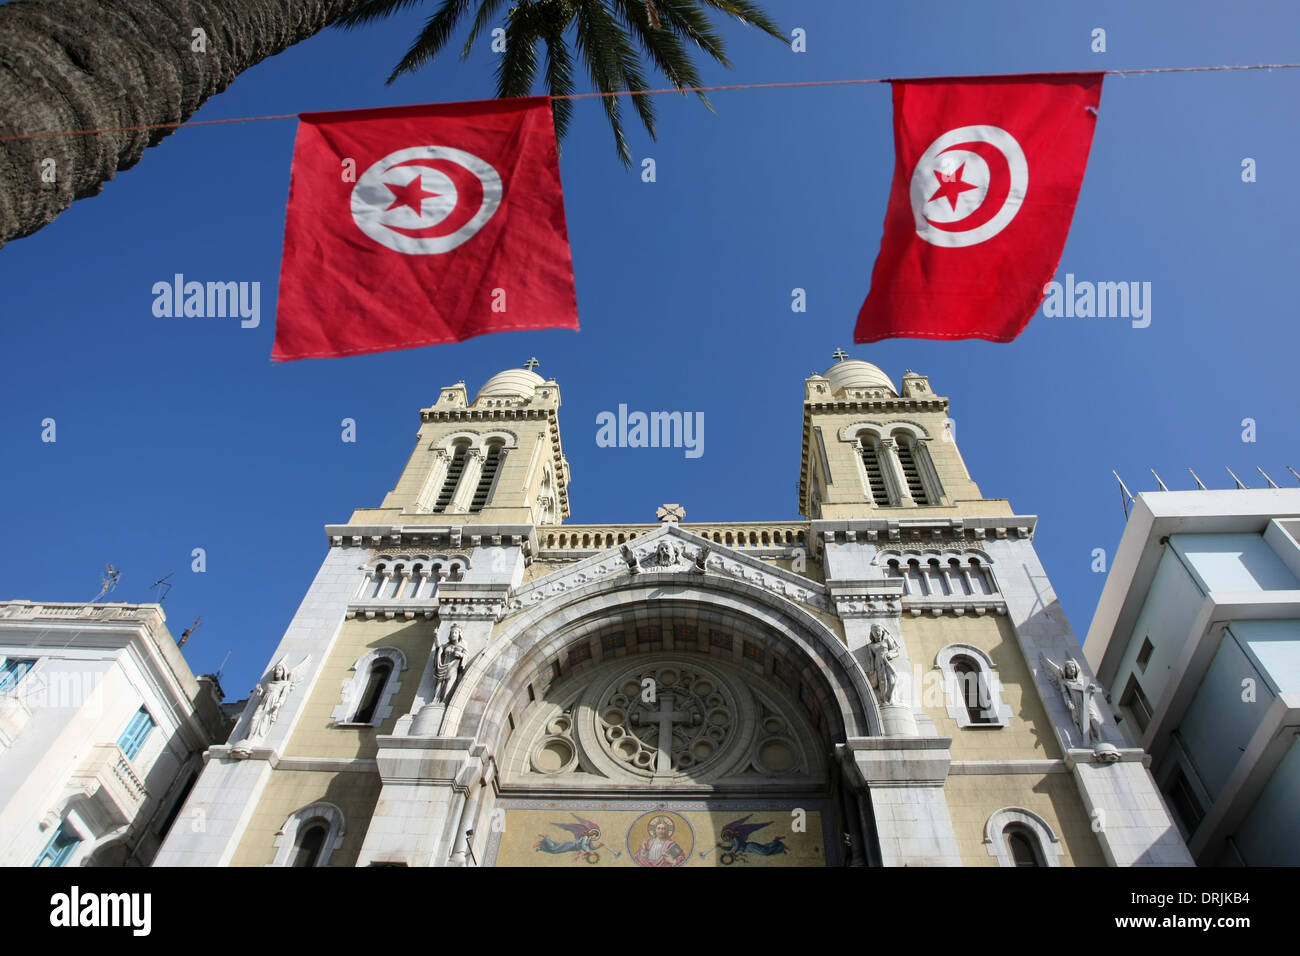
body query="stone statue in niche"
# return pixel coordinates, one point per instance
(882, 650)
(449, 662)
(1080, 696)
(271, 694)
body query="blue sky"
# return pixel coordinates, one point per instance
(180, 433)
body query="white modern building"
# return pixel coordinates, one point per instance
(1197, 643)
(102, 731)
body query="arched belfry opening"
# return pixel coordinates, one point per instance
(668, 732)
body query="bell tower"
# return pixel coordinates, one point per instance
(872, 449)
(496, 460)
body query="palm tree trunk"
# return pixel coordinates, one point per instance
(104, 64)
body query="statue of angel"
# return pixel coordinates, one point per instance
(272, 694)
(1080, 696)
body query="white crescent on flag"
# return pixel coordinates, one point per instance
(968, 185)
(426, 200)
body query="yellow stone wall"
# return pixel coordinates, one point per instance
(1030, 735)
(973, 798)
(291, 790)
(315, 734)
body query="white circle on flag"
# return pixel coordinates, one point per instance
(968, 185)
(402, 200)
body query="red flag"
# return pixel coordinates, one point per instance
(986, 175)
(421, 225)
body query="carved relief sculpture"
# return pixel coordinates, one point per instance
(1080, 696)
(272, 694)
(449, 661)
(882, 651)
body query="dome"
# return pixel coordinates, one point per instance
(518, 382)
(853, 373)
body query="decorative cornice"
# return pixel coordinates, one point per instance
(682, 555)
(388, 610)
(427, 537)
(977, 604)
(936, 531)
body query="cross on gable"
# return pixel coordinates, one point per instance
(839, 355)
(531, 364)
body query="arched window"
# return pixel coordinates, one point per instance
(973, 691)
(454, 471)
(1021, 844)
(311, 841)
(380, 671)
(310, 836)
(1015, 836)
(875, 475)
(491, 462)
(911, 472)
(367, 697)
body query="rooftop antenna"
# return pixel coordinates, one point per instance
(1293, 471)
(1271, 482)
(222, 668)
(185, 634)
(1163, 486)
(1199, 484)
(1125, 496)
(1240, 483)
(163, 582)
(108, 581)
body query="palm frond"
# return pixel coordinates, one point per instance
(592, 46)
(486, 11)
(367, 11)
(663, 47)
(685, 18)
(437, 31)
(518, 65)
(559, 82)
(746, 11)
(625, 62)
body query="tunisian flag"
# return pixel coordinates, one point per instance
(420, 225)
(986, 175)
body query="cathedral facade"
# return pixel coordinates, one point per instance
(470, 680)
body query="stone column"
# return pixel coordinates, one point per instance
(905, 779)
(460, 843)
(893, 470)
(860, 451)
(464, 494)
(422, 795)
(428, 496)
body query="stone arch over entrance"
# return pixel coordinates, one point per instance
(552, 641)
(757, 694)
